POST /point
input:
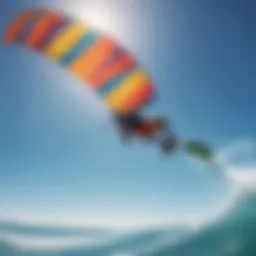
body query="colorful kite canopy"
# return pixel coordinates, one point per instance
(99, 61)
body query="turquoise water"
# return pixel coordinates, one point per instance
(230, 235)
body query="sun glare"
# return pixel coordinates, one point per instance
(104, 16)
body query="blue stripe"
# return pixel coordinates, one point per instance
(113, 83)
(84, 43)
(23, 33)
(52, 33)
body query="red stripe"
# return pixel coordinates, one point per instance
(53, 21)
(41, 28)
(116, 68)
(17, 24)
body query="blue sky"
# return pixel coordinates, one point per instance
(59, 150)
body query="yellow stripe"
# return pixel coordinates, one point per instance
(115, 98)
(65, 40)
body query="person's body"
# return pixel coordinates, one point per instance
(156, 129)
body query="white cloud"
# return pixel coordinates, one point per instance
(241, 150)
(243, 176)
(238, 160)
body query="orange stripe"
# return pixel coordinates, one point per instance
(95, 55)
(16, 25)
(136, 98)
(40, 28)
(116, 68)
(100, 56)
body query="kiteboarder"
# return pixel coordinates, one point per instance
(106, 68)
(155, 129)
